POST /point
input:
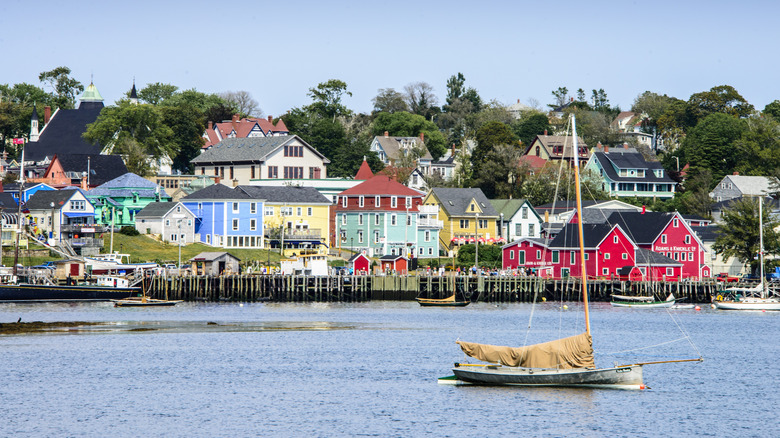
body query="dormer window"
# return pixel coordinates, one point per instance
(394, 202)
(361, 201)
(344, 201)
(376, 201)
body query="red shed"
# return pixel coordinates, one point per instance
(359, 264)
(397, 263)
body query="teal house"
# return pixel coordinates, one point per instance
(624, 172)
(123, 197)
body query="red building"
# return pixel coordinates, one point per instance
(397, 264)
(651, 266)
(359, 264)
(527, 252)
(667, 234)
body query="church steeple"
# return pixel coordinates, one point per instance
(34, 134)
(133, 95)
(91, 97)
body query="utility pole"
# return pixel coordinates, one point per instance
(476, 242)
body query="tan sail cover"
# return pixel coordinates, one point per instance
(571, 352)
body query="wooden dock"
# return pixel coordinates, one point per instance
(277, 288)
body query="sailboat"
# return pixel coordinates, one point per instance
(563, 362)
(644, 302)
(750, 298)
(442, 302)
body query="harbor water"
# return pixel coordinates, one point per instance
(371, 369)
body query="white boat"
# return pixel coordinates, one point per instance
(642, 302)
(115, 262)
(750, 298)
(562, 362)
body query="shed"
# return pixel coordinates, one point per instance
(214, 263)
(69, 268)
(397, 263)
(359, 264)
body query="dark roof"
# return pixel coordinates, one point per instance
(292, 194)
(390, 257)
(7, 202)
(562, 206)
(646, 257)
(707, 233)
(630, 160)
(456, 201)
(102, 168)
(158, 209)
(249, 149)
(42, 199)
(217, 191)
(62, 135)
(569, 236)
(642, 228)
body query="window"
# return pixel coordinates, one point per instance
(663, 238)
(343, 201)
(376, 236)
(625, 256)
(273, 172)
(235, 207)
(464, 223)
(360, 219)
(682, 256)
(299, 211)
(360, 236)
(555, 256)
(268, 211)
(200, 206)
(252, 172)
(538, 254)
(520, 257)
(422, 251)
(253, 207)
(252, 224)
(676, 256)
(178, 209)
(293, 172)
(173, 238)
(572, 259)
(167, 222)
(615, 239)
(688, 239)
(393, 219)
(518, 229)
(675, 222)
(430, 251)
(408, 202)
(314, 173)
(427, 236)
(78, 205)
(511, 254)
(669, 271)
(606, 256)
(235, 224)
(376, 201)
(376, 219)
(309, 211)
(394, 202)
(293, 151)
(216, 171)
(286, 211)
(343, 219)
(231, 172)
(690, 256)
(525, 212)
(408, 220)
(531, 230)
(361, 201)
(605, 271)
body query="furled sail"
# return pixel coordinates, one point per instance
(572, 352)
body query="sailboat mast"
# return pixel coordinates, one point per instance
(761, 244)
(576, 153)
(19, 214)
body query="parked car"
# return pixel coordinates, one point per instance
(726, 278)
(774, 276)
(44, 265)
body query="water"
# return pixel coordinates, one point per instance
(370, 369)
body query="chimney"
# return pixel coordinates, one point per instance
(387, 134)
(736, 174)
(453, 150)
(46, 114)
(217, 179)
(547, 216)
(422, 137)
(211, 125)
(606, 149)
(571, 99)
(644, 208)
(270, 119)
(545, 132)
(518, 100)
(235, 183)
(235, 118)
(84, 183)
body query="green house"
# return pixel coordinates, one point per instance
(122, 197)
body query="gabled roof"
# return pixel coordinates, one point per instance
(456, 201)
(102, 168)
(390, 257)
(242, 128)
(510, 207)
(750, 185)
(393, 144)
(289, 194)
(8, 203)
(645, 257)
(707, 233)
(364, 173)
(643, 229)
(535, 240)
(245, 150)
(128, 185)
(569, 237)
(42, 199)
(381, 185)
(219, 192)
(211, 256)
(62, 135)
(620, 159)
(550, 141)
(357, 256)
(159, 209)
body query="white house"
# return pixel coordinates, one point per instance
(172, 221)
(518, 218)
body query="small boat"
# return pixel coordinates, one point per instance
(750, 298)
(645, 302)
(442, 302)
(143, 301)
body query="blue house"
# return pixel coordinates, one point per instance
(226, 217)
(29, 190)
(626, 173)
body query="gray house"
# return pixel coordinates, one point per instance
(174, 222)
(736, 186)
(214, 263)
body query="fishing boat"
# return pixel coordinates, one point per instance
(750, 298)
(442, 302)
(562, 362)
(644, 302)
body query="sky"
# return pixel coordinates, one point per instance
(509, 51)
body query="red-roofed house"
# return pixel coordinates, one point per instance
(384, 217)
(242, 128)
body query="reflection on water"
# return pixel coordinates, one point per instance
(334, 369)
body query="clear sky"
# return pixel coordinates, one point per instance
(507, 50)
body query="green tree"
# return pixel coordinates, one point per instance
(758, 149)
(503, 174)
(696, 197)
(66, 89)
(135, 157)
(721, 99)
(532, 123)
(389, 101)
(773, 109)
(195, 99)
(739, 232)
(142, 123)
(561, 96)
(489, 256)
(421, 99)
(405, 124)
(491, 134)
(156, 93)
(710, 144)
(186, 124)
(327, 98)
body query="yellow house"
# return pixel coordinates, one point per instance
(295, 218)
(467, 216)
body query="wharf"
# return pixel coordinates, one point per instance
(278, 288)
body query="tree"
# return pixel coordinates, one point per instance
(243, 102)
(186, 124)
(421, 100)
(491, 134)
(599, 99)
(502, 175)
(532, 123)
(710, 144)
(66, 89)
(411, 125)
(455, 89)
(156, 93)
(773, 109)
(758, 149)
(696, 198)
(739, 232)
(489, 256)
(561, 96)
(389, 101)
(195, 99)
(218, 113)
(135, 157)
(721, 99)
(327, 97)
(141, 123)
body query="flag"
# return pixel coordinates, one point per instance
(19, 141)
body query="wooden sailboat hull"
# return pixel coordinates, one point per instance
(621, 377)
(749, 304)
(441, 303)
(139, 302)
(643, 304)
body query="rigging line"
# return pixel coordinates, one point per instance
(684, 332)
(644, 348)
